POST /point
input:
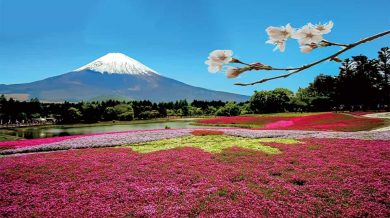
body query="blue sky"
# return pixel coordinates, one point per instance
(44, 38)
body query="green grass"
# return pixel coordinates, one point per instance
(211, 143)
(236, 125)
(6, 137)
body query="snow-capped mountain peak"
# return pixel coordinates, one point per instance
(117, 63)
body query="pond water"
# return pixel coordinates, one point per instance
(37, 132)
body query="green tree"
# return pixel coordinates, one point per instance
(258, 101)
(359, 82)
(34, 107)
(273, 101)
(73, 115)
(282, 97)
(246, 109)
(171, 112)
(126, 116)
(194, 111)
(384, 69)
(297, 105)
(324, 85)
(124, 112)
(110, 113)
(22, 116)
(230, 109)
(211, 110)
(307, 99)
(91, 112)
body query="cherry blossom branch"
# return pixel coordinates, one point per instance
(304, 67)
(327, 43)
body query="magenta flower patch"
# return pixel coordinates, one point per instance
(279, 124)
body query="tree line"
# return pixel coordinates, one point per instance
(13, 111)
(362, 84)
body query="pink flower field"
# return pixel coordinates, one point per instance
(174, 109)
(315, 178)
(322, 122)
(32, 142)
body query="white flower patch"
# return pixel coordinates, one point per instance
(104, 140)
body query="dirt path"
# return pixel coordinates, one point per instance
(384, 115)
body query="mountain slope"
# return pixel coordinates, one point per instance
(115, 76)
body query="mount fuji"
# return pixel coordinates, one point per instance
(114, 76)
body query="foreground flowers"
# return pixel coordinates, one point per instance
(316, 178)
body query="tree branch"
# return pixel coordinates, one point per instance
(334, 43)
(304, 67)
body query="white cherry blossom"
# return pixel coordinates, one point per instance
(213, 66)
(280, 44)
(217, 59)
(323, 28)
(221, 56)
(307, 35)
(279, 35)
(306, 48)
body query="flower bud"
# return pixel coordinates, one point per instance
(233, 72)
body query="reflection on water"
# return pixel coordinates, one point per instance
(36, 132)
